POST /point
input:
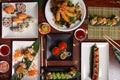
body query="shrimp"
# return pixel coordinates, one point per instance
(65, 17)
(58, 15)
(70, 14)
(71, 9)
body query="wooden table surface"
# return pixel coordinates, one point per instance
(114, 66)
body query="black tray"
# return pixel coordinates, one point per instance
(52, 40)
(54, 69)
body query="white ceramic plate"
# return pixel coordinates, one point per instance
(103, 60)
(31, 31)
(49, 17)
(21, 45)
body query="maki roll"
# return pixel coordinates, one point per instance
(62, 75)
(18, 7)
(98, 21)
(17, 29)
(29, 20)
(95, 63)
(20, 27)
(7, 22)
(93, 21)
(21, 7)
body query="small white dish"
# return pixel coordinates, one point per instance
(3, 49)
(4, 66)
(80, 34)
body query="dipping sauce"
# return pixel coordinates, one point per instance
(4, 50)
(44, 28)
(80, 34)
(4, 66)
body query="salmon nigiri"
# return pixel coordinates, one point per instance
(9, 9)
(16, 19)
(22, 15)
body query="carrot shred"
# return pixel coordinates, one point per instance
(17, 54)
(32, 72)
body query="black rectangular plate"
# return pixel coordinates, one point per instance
(52, 40)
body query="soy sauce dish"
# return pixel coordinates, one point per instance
(4, 66)
(4, 50)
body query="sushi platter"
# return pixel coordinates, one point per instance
(18, 20)
(60, 40)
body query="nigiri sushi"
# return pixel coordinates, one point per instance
(16, 19)
(22, 15)
(9, 9)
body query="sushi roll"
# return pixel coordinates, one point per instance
(29, 20)
(24, 25)
(20, 27)
(109, 23)
(21, 7)
(17, 29)
(22, 15)
(95, 63)
(115, 20)
(93, 21)
(18, 7)
(104, 21)
(99, 20)
(9, 9)
(7, 22)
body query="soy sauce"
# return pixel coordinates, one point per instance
(4, 50)
(80, 34)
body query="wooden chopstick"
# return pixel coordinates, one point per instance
(41, 51)
(110, 41)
